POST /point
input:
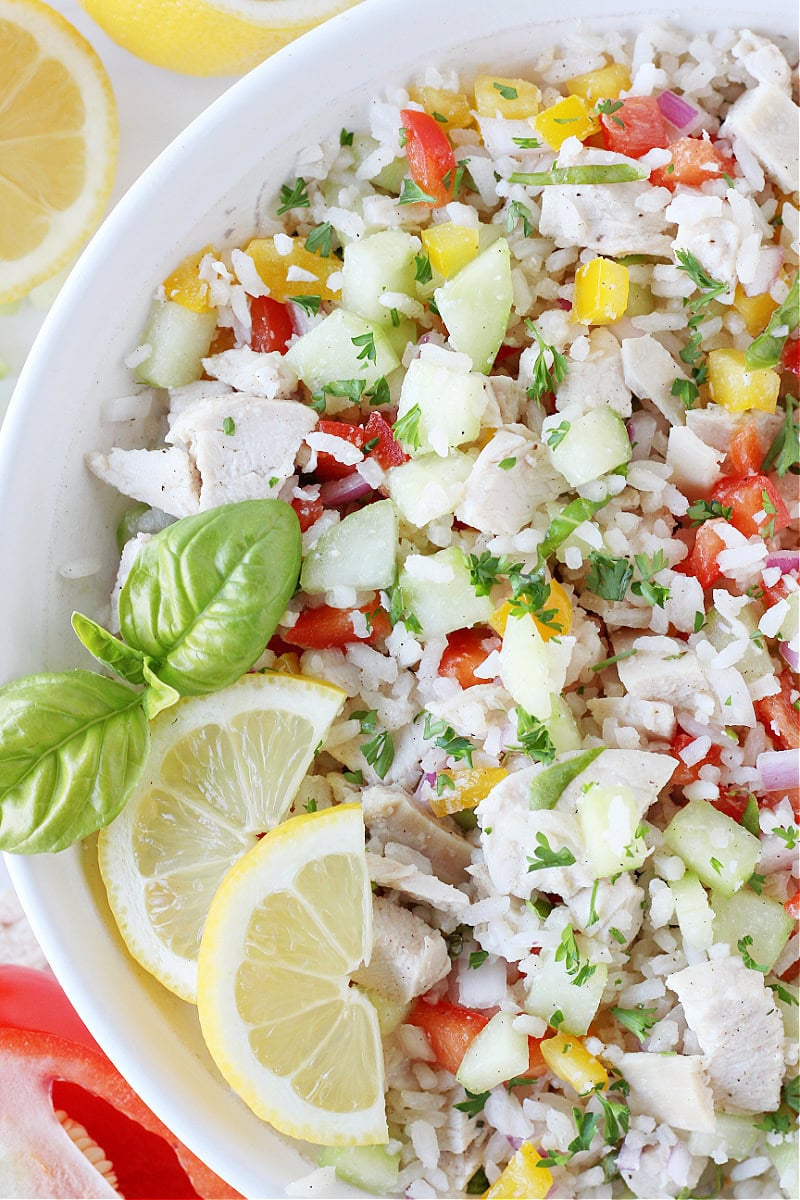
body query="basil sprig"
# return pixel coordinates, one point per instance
(201, 601)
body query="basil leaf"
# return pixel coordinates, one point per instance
(204, 596)
(767, 348)
(159, 695)
(72, 748)
(548, 785)
(110, 651)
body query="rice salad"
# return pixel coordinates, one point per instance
(520, 353)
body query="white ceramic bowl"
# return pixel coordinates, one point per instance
(207, 187)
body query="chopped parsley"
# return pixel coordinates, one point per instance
(506, 464)
(594, 916)
(293, 197)
(477, 958)
(352, 389)
(697, 305)
(366, 346)
(527, 143)
(533, 737)
(473, 1104)
(787, 835)
(406, 428)
(345, 137)
(705, 510)
(519, 212)
(444, 783)
(423, 271)
(608, 108)
(767, 348)
(784, 453)
(545, 379)
(742, 946)
(638, 1020)
(485, 570)
(229, 426)
(615, 658)
(319, 240)
(617, 1117)
(545, 857)
(445, 738)
(412, 193)
(379, 752)
(556, 436)
(354, 777)
(309, 304)
(574, 514)
(654, 593)
(478, 1183)
(508, 93)
(608, 577)
(530, 593)
(379, 393)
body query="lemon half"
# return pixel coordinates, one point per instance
(223, 769)
(290, 923)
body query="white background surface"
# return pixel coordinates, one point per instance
(154, 106)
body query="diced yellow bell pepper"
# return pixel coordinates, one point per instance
(514, 99)
(557, 599)
(756, 310)
(603, 84)
(287, 664)
(601, 292)
(184, 285)
(453, 106)
(273, 269)
(570, 117)
(736, 388)
(521, 1179)
(568, 1058)
(469, 788)
(449, 246)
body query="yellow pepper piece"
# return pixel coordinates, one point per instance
(601, 291)
(736, 388)
(453, 106)
(184, 285)
(273, 268)
(449, 246)
(756, 310)
(521, 1179)
(603, 84)
(469, 788)
(557, 600)
(514, 99)
(568, 1058)
(287, 664)
(570, 117)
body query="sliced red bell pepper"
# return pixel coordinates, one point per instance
(466, 649)
(746, 453)
(326, 628)
(329, 467)
(430, 156)
(634, 128)
(749, 497)
(386, 451)
(779, 717)
(684, 774)
(271, 325)
(308, 511)
(702, 560)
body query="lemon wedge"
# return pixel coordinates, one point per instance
(208, 37)
(58, 144)
(290, 923)
(223, 769)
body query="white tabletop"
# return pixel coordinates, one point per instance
(154, 106)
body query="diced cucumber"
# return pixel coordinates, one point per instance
(609, 818)
(587, 447)
(328, 353)
(755, 662)
(178, 339)
(382, 262)
(786, 1161)
(524, 666)
(438, 591)
(451, 404)
(640, 300)
(141, 519)
(694, 913)
(370, 1168)
(391, 1013)
(721, 853)
(499, 1052)
(759, 917)
(360, 552)
(562, 727)
(551, 990)
(429, 487)
(476, 303)
(734, 1137)
(398, 336)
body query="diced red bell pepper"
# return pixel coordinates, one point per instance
(683, 773)
(702, 559)
(732, 802)
(271, 325)
(430, 156)
(308, 511)
(781, 590)
(450, 1029)
(792, 906)
(387, 452)
(790, 356)
(329, 467)
(466, 649)
(635, 128)
(746, 453)
(694, 161)
(778, 716)
(326, 628)
(749, 496)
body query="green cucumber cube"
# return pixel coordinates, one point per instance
(360, 552)
(609, 818)
(451, 404)
(179, 340)
(429, 487)
(734, 1137)
(719, 851)
(759, 917)
(589, 447)
(562, 727)
(382, 262)
(786, 1161)
(328, 353)
(475, 304)
(694, 913)
(550, 989)
(439, 593)
(370, 1168)
(499, 1052)
(525, 668)
(755, 662)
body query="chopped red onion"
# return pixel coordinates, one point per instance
(786, 560)
(628, 1157)
(779, 770)
(641, 429)
(678, 1164)
(342, 491)
(789, 656)
(679, 112)
(515, 1143)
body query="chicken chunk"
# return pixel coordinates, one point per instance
(408, 956)
(644, 772)
(416, 884)
(165, 479)
(503, 499)
(257, 453)
(652, 717)
(671, 1089)
(669, 672)
(650, 370)
(390, 815)
(603, 217)
(598, 380)
(695, 466)
(765, 119)
(259, 374)
(740, 1030)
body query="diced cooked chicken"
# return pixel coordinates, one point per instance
(503, 499)
(763, 59)
(411, 881)
(603, 217)
(765, 119)
(740, 1030)
(669, 671)
(716, 426)
(251, 460)
(652, 717)
(249, 370)
(509, 395)
(643, 771)
(408, 956)
(181, 398)
(695, 466)
(708, 229)
(605, 906)
(390, 815)
(650, 371)
(672, 1089)
(598, 380)
(164, 479)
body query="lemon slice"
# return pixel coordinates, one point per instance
(208, 37)
(290, 922)
(223, 769)
(58, 144)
